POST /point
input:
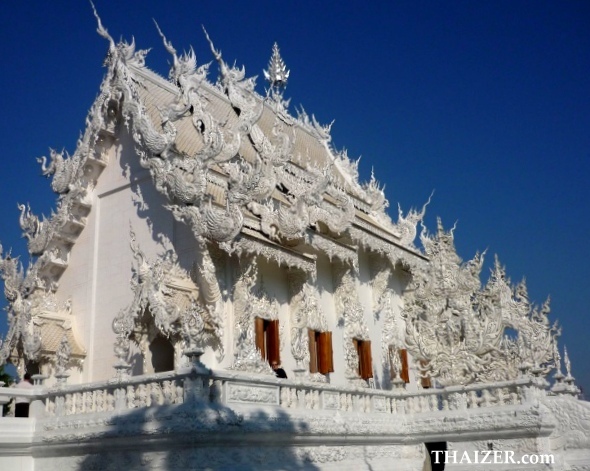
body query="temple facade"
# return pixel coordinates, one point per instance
(203, 236)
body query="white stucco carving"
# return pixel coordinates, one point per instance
(350, 314)
(252, 213)
(459, 328)
(170, 298)
(250, 301)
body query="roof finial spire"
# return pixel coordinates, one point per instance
(566, 360)
(277, 73)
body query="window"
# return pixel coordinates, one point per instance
(405, 371)
(267, 340)
(402, 368)
(363, 350)
(321, 358)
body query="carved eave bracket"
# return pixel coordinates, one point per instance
(410, 260)
(333, 249)
(250, 243)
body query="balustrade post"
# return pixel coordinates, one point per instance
(398, 384)
(433, 403)
(37, 407)
(3, 400)
(194, 355)
(424, 404)
(402, 406)
(61, 379)
(60, 403)
(457, 397)
(196, 388)
(215, 392)
(472, 400)
(68, 404)
(486, 398)
(120, 398)
(284, 396)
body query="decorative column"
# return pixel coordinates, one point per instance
(193, 325)
(121, 326)
(381, 272)
(350, 312)
(299, 336)
(250, 301)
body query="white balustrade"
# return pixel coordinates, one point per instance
(227, 388)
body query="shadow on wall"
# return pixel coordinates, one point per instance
(197, 436)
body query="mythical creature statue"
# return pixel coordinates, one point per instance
(64, 170)
(29, 223)
(40, 233)
(220, 143)
(307, 208)
(22, 336)
(239, 90)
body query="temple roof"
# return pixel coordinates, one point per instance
(236, 167)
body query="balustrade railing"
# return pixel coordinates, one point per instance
(235, 389)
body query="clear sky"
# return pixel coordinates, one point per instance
(487, 103)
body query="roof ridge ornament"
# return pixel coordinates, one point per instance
(277, 73)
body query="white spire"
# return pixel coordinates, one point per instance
(277, 73)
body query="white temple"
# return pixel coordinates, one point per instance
(202, 233)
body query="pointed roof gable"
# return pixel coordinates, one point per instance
(232, 163)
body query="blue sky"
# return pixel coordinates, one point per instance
(487, 103)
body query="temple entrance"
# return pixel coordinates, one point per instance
(162, 353)
(436, 452)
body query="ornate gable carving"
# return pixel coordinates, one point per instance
(174, 301)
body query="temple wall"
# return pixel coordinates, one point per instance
(101, 261)
(265, 457)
